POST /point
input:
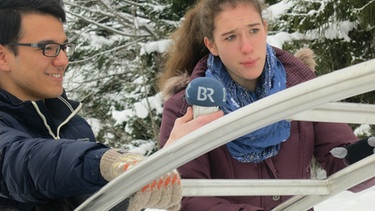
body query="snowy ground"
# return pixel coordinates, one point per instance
(348, 201)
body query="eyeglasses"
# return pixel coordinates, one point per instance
(50, 49)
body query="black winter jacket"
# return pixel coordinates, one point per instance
(49, 158)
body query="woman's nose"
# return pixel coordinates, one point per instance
(246, 45)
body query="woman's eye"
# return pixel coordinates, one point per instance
(231, 37)
(254, 31)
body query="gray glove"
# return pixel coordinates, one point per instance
(162, 193)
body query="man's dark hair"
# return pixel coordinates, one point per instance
(11, 11)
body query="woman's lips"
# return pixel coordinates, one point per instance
(250, 63)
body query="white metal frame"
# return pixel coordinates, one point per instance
(307, 192)
(314, 98)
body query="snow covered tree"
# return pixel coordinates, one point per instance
(120, 45)
(342, 33)
(115, 65)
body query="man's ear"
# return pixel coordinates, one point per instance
(211, 46)
(4, 58)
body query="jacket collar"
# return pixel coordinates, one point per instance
(48, 113)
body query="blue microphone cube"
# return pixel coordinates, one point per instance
(207, 92)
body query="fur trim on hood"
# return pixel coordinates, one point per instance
(174, 84)
(307, 56)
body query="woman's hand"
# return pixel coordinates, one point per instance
(186, 124)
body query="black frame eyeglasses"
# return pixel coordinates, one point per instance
(50, 49)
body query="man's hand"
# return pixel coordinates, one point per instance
(162, 193)
(356, 151)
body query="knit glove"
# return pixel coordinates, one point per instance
(356, 151)
(162, 193)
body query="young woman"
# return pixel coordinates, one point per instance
(226, 40)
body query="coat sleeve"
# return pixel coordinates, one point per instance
(38, 170)
(328, 136)
(173, 108)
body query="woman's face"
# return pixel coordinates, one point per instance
(240, 41)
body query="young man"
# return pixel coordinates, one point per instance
(49, 158)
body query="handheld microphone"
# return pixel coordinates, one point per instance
(205, 95)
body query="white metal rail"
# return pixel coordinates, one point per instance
(354, 113)
(338, 182)
(254, 187)
(297, 102)
(353, 174)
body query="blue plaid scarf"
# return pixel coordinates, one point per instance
(265, 142)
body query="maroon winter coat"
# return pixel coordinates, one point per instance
(307, 140)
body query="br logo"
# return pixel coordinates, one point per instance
(205, 93)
